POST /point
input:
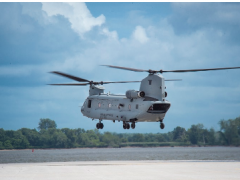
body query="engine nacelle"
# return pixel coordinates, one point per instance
(132, 94)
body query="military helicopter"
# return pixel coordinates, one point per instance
(148, 104)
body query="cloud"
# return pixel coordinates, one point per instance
(139, 34)
(111, 34)
(78, 15)
(222, 20)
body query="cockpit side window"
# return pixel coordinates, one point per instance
(89, 103)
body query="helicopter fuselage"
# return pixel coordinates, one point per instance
(146, 105)
(120, 108)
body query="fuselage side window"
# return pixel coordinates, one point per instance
(136, 106)
(89, 103)
(120, 106)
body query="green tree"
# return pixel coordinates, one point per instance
(195, 134)
(229, 131)
(179, 134)
(8, 145)
(32, 136)
(124, 140)
(1, 145)
(19, 141)
(93, 137)
(150, 137)
(160, 138)
(110, 139)
(85, 139)
(2, 134)
(15, 139)
(60, 139)
(211, 137)
(46, 124)
(138, 137)
(46, 140)
(168, 136)
(71, 136)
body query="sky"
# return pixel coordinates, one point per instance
(76, 38)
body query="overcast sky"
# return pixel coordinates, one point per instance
(76, 38)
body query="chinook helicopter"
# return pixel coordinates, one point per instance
(148, 104)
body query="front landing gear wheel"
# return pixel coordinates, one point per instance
(162, 125)
(99, 125)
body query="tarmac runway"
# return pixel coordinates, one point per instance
(121, 170)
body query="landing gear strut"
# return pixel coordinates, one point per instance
(99, 125)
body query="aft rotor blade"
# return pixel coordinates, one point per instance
(70, 84)
(125, 68)
(163, 71)
(70, 76)
(173, 79)
(121, 82)
(196, 70)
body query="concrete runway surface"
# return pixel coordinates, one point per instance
(122, 170)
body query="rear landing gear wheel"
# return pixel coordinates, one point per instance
(133, 125)
(162, 125)
(126, 126)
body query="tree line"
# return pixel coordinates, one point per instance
(48, 136)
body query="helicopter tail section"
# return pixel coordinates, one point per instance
(159, 108)
(154, 87)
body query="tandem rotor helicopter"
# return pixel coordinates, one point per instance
(148, 104)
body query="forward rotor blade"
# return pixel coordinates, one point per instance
(195, 70)
(125, 68)
(70, 76)
(173, 79)
(70, 84)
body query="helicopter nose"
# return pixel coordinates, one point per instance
(82, 108)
